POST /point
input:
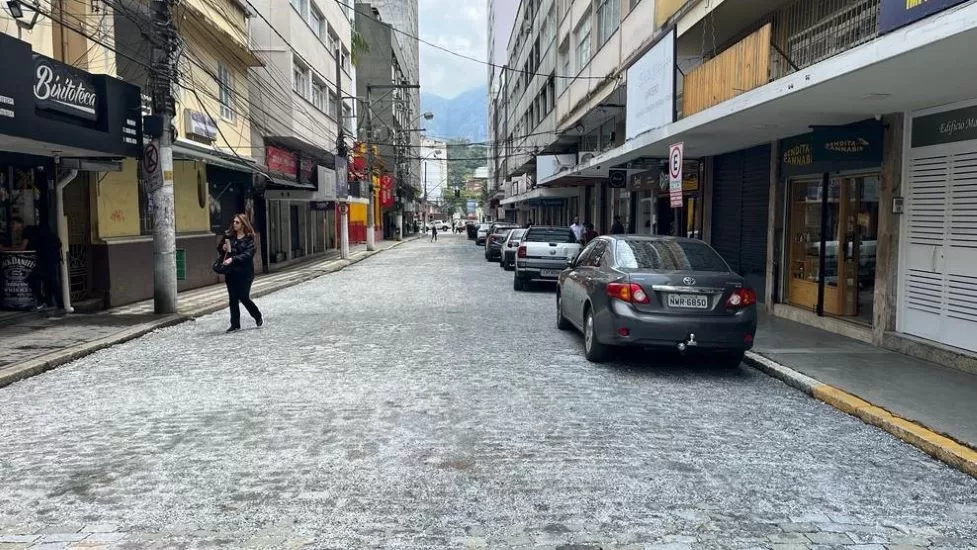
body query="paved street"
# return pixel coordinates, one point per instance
(413, 400)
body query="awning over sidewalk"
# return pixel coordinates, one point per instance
(184, 150)
(539, 194)
(922, 65)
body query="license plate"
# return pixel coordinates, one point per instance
(688, 301)
(549, 273)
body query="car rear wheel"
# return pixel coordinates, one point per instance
(518, 284)
(561, 321)
(593, 350)
(727, 360)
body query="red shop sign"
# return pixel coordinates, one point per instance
(281, 161)
(386, 191)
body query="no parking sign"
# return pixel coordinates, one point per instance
(675, 154)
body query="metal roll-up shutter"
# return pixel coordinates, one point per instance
(740, 203)
(726, 193)
(754, 216)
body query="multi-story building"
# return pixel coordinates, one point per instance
(303, 95)
(393, 116)
(501, 17)
(434, 172)
(402, 16)
(67, 160)
(820, 159)
(213, 170)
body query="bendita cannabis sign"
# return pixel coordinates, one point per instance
(899, 13)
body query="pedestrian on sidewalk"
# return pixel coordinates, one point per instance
(434, 233)
(617, 228)
(589, 233)
(237, 246)
(47, 248)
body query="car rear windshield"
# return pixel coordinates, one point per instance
(517, 233)
(549, 235)
(502, 230)
(669, 256)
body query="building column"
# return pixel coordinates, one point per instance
(887, 245)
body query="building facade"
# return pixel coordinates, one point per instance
(394, 118)
(434, 173)
(303, 95)
(826, 171)
(402, 16)
(65, 160)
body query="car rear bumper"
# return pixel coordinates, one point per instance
(726, 332)
(480, 241)
(493, 253)
(535, 271)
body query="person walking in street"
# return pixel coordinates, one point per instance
(47, 247)
(617, 228)
(237, 246)
(577, 229)
(434, 233)
(589, 234)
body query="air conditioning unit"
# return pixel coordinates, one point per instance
(584, 157)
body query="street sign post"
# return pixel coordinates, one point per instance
(675, 153)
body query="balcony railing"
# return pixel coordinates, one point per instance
(797, 36)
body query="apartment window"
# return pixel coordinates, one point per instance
(301, 80)
(582, 40)
(549, 28)
(333, 44)
(333, 106)
(225, 81)
(347, 116)
(318, 95)
(301, 5)
(551, 94)
(609, 19)
(345, 60)
(318, 22)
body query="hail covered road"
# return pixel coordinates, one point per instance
(414, 400)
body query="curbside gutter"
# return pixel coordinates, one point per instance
(53, 360)
(934, 444)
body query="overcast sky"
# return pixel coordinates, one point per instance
(460, 26)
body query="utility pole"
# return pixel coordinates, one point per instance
(371, 243)
(370, 214)
(160, 157)
(342, 172)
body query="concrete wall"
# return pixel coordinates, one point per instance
(116, 202)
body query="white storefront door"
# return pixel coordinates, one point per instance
(939, 266)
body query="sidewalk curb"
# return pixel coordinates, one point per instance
(938, 446)
(53, 360)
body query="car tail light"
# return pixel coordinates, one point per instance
(631, 293)
(522, 252)
(741, 297)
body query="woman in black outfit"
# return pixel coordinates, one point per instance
(238, 248)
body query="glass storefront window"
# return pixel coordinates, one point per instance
(850, 220)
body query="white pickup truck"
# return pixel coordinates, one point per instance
(543, 253)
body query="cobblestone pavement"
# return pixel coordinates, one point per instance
(414, 401)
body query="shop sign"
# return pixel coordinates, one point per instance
(386, 191)
(64, 89)
(322, 206)
(842, 143)
(471, 206)
(651, 89)
(832, 148)
(281, 161)
(16, 269)
(342, 178)
(200, 125)
(308, 166)
(899, 13)
(945, 127)
(549, 202)
(326, 184)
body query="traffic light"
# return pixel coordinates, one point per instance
(457, 193)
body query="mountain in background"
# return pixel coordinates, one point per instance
(461, 117)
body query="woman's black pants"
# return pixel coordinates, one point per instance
(239, 292)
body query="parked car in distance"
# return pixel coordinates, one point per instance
(657, 292)
(509, 247)
(493, 243)
(543, 253)
(482, 233)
